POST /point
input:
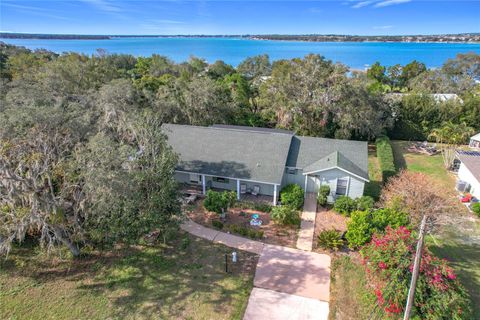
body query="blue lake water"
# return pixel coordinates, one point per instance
(357, 55)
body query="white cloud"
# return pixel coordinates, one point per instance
(356, 4)
(382, 27)
(390, 3)
(36, 11)
(362, 4)
(165, 21)
(104, 5)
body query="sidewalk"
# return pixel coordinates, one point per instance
(289, 283)
(307, 225)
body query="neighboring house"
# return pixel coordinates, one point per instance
(475, 142)
(438, 97)
(469, 172)
(261, 160)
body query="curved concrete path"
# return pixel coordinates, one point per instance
(289, 283)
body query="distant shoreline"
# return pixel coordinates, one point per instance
(473, 38)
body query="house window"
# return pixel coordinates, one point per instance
(194, 178)
(220, 180)
(342, 185)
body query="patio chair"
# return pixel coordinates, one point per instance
(256, 190)
(243, 188)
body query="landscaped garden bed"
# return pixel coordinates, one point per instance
(237, 221)
(328, 219)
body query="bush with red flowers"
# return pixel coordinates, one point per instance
(388, 261)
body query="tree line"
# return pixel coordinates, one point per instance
(83, 160)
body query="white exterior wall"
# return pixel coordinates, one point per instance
(465, 175)
(329, 177)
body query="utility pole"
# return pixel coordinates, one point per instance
(416, 269)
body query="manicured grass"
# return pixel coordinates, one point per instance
(349, 298)
(374, 187)
(429, 165)
(186, 280)
(457, 242)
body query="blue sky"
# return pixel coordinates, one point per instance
(365, 17)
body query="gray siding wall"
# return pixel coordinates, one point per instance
(329, 177)
(297, 178)
(265, 189)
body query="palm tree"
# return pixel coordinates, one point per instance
(449, 137)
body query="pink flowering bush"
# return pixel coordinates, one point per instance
(388, 261)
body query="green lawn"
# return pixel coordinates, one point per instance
(186, 280)
(348, 297)
(374, 187)
(459, 241)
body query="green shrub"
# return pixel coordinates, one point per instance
(364, 203)
(246, 232)
(344, 205)
(262, 206)
(476, 208)
(259, 206)
(330, 239)
(255, 234)
(285, 215)
(363, 224)
(382, 218)
(217, 224)
(292, 195)
(359, 229)
(385, 157)
(323, 195)
(216, 201)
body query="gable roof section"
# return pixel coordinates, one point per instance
(476, 137)
(230, 152)
(317, 154)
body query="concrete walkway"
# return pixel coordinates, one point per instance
(227, 239)
(307, 225)
(266, 304)
(289, 283)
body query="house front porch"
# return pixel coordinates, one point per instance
(246, 190)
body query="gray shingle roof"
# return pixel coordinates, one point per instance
(313, 154)
(256, 129)
(472, 162)
(230, 152)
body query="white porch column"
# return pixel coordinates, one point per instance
(274, 194)
(204, 185)
(238, 189)
(306, 185)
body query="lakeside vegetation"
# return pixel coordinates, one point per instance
(457, 38)
(86, 167)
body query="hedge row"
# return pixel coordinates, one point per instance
(385, 156)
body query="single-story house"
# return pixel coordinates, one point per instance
(475, 142)
(469, 172)
(262, 161)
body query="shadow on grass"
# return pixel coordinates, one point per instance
(465, 260)
(184, 280)
(399, 148)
